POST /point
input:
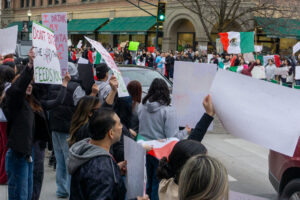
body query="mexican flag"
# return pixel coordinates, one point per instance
(160, 148)
(237, 42)
(97, 58)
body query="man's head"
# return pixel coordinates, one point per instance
(102, 71)
(105, 125)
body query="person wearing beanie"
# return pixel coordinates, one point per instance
(102, 77)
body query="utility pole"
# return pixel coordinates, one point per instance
(157, 30)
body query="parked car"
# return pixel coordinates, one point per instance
(144, 75)
(284, 174)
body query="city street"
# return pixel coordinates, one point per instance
(247, 165)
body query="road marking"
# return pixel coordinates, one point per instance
(231, 179)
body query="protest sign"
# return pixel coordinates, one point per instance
(79, 45)
(133, 46)
(136, 178)
(219, 46)
(209, 57)
(57, 22)
(123, 44)
(151, 49)
(296, 47)
(297, 75)
(258, 48)
(69, 42)
(86, 76)
(8, 40)
(253, 110)
(46, 62)
(122, 89)
(187, 99)
(249, 57)
(258, 72)
(282, 71)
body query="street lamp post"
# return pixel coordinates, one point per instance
(29, 16)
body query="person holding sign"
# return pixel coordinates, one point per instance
(95, 173)
(26, 123)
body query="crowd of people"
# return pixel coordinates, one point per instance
(85, 132)
(84, 128)
(164, 62)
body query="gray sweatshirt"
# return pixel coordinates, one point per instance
(81, 152)
(157, 121)
(104, 89)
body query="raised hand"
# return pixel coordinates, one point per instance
(208, 106)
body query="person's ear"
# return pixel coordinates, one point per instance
(110, 134)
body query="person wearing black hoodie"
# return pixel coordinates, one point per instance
(20, 131)
(95, 173)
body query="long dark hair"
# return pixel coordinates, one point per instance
(81, 115)
(158, 92)
(135, 90)
(182, 151)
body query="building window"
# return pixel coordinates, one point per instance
(27, 3)
(33, 3)
(7, 4)
(64, 1)
(56, 1)
(49, 2)
(41, 3)
(83, 0)
(22, 3)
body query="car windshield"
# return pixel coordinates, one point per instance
(145, 77)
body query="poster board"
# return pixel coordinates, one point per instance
(122, 89)
(253, 110)
(57, 22)
(46, 62)
(8, 40)
(136, 177)
(187, 99)
(297, 75)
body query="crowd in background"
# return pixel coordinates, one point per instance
(164, 62)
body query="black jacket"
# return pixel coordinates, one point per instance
(60, 117)
(20, 116)
(94, 173)
(199, 131)
(41, 122)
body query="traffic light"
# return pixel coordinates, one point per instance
(161, 12)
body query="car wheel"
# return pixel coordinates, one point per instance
(291, 191)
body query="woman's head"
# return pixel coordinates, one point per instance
(158, 92)
(84, 109)
(135, 90)
(182, 151)
(203, 177)
(270, 61)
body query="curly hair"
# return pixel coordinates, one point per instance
(158, 92)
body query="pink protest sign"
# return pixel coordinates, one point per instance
(57, 22)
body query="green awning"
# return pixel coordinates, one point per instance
(280, 27)
(129, 25)
(85, 26)
(20, 25)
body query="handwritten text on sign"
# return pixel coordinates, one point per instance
(46, 63)
(57, 22)
(122, 90)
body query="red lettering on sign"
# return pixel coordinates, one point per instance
(46, 19)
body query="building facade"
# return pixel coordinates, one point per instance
(115, 21)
